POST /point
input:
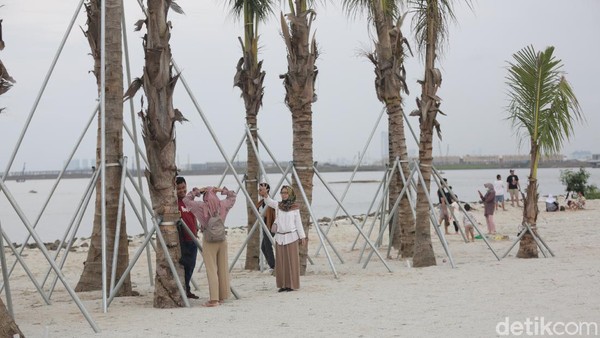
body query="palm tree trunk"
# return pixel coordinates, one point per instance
(158, 126)
(8, 327)
(303, 161)
(91, 277)
(404, 229)
(389, 83)
(252, 177)
(424, 255)
(527, 245)
(299, 83)
(249, 78)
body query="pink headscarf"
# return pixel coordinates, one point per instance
(213, 204)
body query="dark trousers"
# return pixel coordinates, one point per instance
(267, 249)
(189, 251)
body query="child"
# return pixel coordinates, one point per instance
(454, 215)
(467, 222)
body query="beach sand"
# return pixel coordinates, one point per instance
(468, 301)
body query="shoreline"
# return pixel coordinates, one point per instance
(325, 168)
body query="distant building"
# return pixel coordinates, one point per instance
(595, 161)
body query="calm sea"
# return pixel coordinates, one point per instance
(54, 222)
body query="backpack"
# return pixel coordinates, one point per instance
(215, 229)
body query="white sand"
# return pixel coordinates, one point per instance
(468, 301)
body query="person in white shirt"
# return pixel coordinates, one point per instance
(499, 190)
(288, 234)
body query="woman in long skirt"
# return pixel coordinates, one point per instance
(288, 234)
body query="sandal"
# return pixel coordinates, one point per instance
(211, 304)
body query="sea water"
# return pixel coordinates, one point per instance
(61, 209)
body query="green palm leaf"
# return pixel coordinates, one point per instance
(543, 107)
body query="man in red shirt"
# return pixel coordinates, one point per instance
(189, 250)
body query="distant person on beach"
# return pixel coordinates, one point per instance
(455, 211)
(214, 253)
(499, 190)
(513, 187)
(577, 204)
(489, 201)
(189, 250)
(469, 226)
(445, 199)
(268, 217)
(551, 204)
(288, 234)
(580, 200)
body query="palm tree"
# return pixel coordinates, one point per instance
(91, 277)
(8, 326)
(158, 132)
(6, 81)
(299, 83)
(390, 81)
(430, 27)
(543, 108)
(249, 78)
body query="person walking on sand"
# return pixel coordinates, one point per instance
(268, 217)
(445, 199)
(214, 253)
(513, 187)
(489, 201)
(189, 250)
(288, 233)
(499, 190)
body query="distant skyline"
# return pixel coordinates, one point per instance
(204, 44)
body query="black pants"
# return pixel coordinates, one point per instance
(267, 249)
(189, 251)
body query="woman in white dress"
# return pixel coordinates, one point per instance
(288, 234)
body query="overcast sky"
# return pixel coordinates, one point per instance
(204, 44)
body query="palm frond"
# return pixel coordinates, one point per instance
(542, 105)
(258, 10)
(356, 8)
(434, 14)
(176, 8)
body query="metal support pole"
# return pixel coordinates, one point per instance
(379, 188)
(259, 220)
(382, 207)
(118, 225)
(27, 271)
(103, 145)
(213, 135)
(235, 153)
(545, 245)
(316, 223)
(39, 96)
(387, 221)
(42, 248)
(78, 212)
(9, 306)
(431, 208)
(362, 155)
(352, 220)
(162, 242)
(53, 189)
(442, 184)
